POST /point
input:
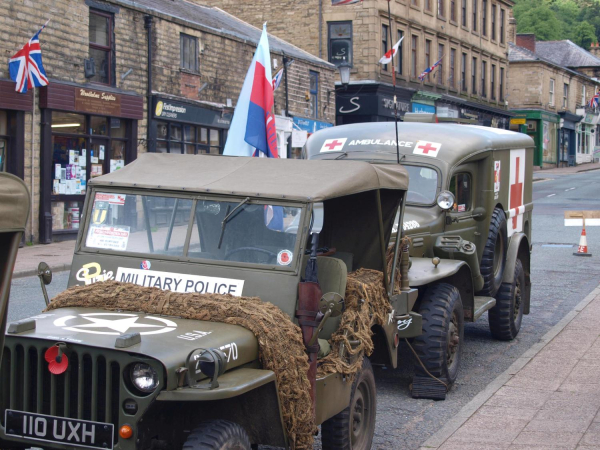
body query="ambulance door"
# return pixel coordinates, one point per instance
(460, 220)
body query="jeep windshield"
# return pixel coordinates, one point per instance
(257, 232)
(422, 184)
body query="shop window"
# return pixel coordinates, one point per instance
(461, 187)
(183, 138)
(384, 43)
(118, 128)
(7, 129)
(68, 123)
(99, 125)
(314, 94)
(340, 42)
(189, 52)
(101, 45)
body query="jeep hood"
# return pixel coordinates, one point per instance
(167, 339)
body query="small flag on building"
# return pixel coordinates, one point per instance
(387, 58)
(277, 79)
(430, 69)
(26, 68)
(594, 100)
(343, 2)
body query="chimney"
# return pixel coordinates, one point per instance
(526, 41)
(512, 27)
(595, 49)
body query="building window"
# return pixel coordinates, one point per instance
(400, 52)
(452, 68)
(551, 93)
(463, 13)
(100, 36)
(441, 11)
(493, 22)
(501, 84)
(427, 53)
(463, 73)
(474, 15)
(414, 2)
(493, 83)
(427, 5)
(501, 26)
(340, 42)
(440, 71)
(314, 94)
(384, 42)
(413, 61)
(483, 79)
(189, 52)
(565, 96)
(474, 76)
(173, 137)
(453, 10)
(583, 95)
(484, 17)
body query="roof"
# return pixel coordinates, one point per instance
(291, 179)
(566, 53)
(377, 140)
(14, 203)
(218, 21)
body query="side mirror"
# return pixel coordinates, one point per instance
(45, 276)
(318, 214)
(445, 200)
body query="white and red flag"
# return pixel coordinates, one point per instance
(344, 2)
(387, 58)
(26, 68)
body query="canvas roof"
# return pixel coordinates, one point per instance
(14, 203)
(283, 179)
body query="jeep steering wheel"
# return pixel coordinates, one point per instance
(251, 249)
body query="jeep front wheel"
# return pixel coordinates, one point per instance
(218, 435)
(440, 345)
(505, 318)
(493, 260)
(353, 428)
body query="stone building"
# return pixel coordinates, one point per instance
(551, 99)
(103, 106)
(470, 37)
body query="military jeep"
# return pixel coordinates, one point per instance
(94, 378)
(468, 216)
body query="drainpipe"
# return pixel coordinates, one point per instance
(148, 26)
(321, 29)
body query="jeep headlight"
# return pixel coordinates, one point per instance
(445, 200)
(144, 377)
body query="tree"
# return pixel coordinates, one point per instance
(584, 34)
(541, 21)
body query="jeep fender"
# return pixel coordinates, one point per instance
(518, 248)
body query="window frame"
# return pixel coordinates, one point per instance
(493, 18)
(502, 18)
(474, 16)
(483, 78)
(583, 102)
(314, 93)
(493, 82)
(182, 38)
(463, 73)
(440, 70)
(474, 75)
(451, 80)
(551, 89)
(350, 58)
(470, 204)
(427, 52)
(501, 86)
(565, 95)
(400, 34)
(463, 13)
(384, 42)
(484, 5)
(441, 8)
(414, 56)
(108, 49)
(453, 11)
(427, 6)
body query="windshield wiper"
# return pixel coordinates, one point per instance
(228, 216)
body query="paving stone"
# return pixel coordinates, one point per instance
(567, 413)
(516, 397)
(500, 411)
(568, 425)
(488, 430)
(544, 384)
(592, 435)
(465, 446)
(537, 447)
(560, 400)
(544, 439)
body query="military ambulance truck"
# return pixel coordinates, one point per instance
(468, 217)
(94, 377)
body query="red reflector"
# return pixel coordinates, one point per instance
(56, 364)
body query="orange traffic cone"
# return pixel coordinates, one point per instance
(582, 250)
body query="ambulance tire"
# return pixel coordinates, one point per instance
(493, 260)
(354, 427)
(218, 435)
(505, 318)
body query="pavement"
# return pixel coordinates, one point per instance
(567, 170)
(57, 255)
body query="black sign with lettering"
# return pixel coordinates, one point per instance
(371, 104)
(182, 112)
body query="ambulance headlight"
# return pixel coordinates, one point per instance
(144, 377)
(445, 200)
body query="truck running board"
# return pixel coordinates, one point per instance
(482, 304)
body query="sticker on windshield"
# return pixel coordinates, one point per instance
(333, 145)
(113, 199)
(427, 148)
(110, 238)
(284, 258)
(145, 265)
(462, 208)
(496, 179)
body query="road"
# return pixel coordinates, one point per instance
(560, 280)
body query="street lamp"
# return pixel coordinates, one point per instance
(344, 68)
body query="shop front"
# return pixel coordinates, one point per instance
(586, 136)
(302, 129)
(13, 107)
(567, 138)
(85, 133)
(371, 102)
(543, 127)
(465, 111)
(424, 102)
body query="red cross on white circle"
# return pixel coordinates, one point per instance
(427, 148)
(333, 145)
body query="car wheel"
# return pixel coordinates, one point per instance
(493, 260)
(218, 435)
(505, 318)
(440, 345)
(353, 428)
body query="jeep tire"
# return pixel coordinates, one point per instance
(493, 260)
(353, 428)
(505, 318)
(217, 435)
(440, 345)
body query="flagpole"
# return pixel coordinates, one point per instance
(394, 83)
(32, 159)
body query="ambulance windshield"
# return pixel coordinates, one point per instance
(422, 184)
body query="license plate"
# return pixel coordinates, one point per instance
(74, 432)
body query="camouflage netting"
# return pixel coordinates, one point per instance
(280, 340)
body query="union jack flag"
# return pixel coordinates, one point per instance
(430, 69)
(594, 100)
(26, 67)
(343, 2)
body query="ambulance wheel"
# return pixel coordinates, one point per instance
(218, 435)
(440, 345)
(505, 318)
(353, 428)
(493, 260)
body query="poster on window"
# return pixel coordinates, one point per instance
(546, 139)
(110, 238)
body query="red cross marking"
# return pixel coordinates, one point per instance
(427, 148)
(516, 193)
(333, 145)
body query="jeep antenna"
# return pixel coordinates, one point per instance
(394, 83)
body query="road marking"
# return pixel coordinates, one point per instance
(570, 189)
(550, 195)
